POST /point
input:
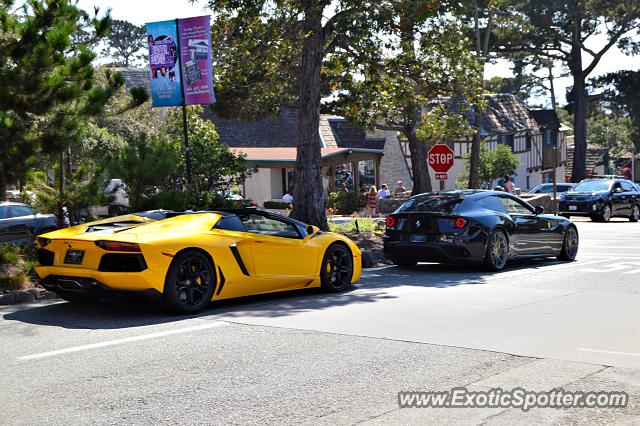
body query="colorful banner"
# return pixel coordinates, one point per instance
(180, 62)
(195, 54)
(164, 64)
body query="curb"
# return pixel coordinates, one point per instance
(31, 295)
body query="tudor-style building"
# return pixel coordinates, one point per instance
(533, 135)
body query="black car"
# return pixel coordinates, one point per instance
(18, 222)
(472, 226)
(547, 188)
(601, 199)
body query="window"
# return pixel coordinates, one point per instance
(514, 207)
(547, 177)
(231, 223)
(492, 203)
(257, 224)
(19, 211)
(528, 143)
(4, 212)
(506, 140)
(626, 186)
(528, 180)
(441, 203)
(550, 137)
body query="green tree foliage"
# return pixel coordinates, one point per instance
(494, 164)
(47, 86)
(612, 131)
(403, 91)
(217, 168)
(620, 95)
(271, 55)
(562, 31)
(124, 43)
(144, 165)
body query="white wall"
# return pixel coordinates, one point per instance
(258, 186)
(276, 183)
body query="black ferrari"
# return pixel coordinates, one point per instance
(472, 226)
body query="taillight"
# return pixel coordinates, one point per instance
(118, 246)
(43, 242)
(390, 222)
(461, 222)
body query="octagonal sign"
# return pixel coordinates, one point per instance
(440, 158)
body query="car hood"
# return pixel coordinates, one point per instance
(584, 195)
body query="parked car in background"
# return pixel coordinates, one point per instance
(18, 222)
(547, 188)
(601, 199)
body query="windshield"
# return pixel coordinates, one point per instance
(593, 185)
(440, 203)
(547, 189)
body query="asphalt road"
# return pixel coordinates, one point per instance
(308, 357)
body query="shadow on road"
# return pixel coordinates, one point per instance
(127, 313)
(116, 314)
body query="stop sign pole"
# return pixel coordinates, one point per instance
(440, 159)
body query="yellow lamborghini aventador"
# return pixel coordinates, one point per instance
(188, 259)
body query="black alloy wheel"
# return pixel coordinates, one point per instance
(570, 244)
(497, 251)
(189, 284)
(635, 213)
(337, 268)
(605, 216)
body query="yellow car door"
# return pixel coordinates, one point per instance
(281, 253)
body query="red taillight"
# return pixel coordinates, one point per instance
(391, 222)
(118, 246)
(461, 223)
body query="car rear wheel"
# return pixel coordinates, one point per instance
(635, 214)
(189, 284)
(497, 251)
(569, 245)
(337, 268)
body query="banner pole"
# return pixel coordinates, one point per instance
(187, 154)
(185, 125)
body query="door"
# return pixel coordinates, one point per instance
(620, 204)
(280, 252)
(628, 197)
(531, 235)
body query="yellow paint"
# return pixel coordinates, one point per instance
(273, 263)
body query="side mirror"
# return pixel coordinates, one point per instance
(312, 230)
(539, 209)
(618, 189)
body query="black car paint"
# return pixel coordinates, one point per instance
(592, 203)
(530, 235)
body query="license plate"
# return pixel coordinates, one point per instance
(74, 257)
(573, 208)
(417, 238)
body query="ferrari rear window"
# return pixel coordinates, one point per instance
(439, 203)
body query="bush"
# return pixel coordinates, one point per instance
(346, 202)
(9, 254)
(184, 200)
(281, 205)
(16, 266)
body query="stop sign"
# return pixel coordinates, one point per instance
(440, 158)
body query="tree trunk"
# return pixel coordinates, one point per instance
(3, 185)
(308, 203)
(474, 181)
(579, 170)
(419, 168)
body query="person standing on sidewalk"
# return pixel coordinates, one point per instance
(508, 185)
(372, 199)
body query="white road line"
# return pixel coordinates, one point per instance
(608, 247)
(608, 352)
(125, 340)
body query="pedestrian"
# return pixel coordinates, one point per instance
(399, 189)
(288, 197)
(384, 191)
(372, 199)
(508, 185)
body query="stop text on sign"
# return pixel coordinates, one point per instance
(440, 159)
